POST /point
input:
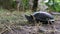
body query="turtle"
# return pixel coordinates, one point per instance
(40, 16)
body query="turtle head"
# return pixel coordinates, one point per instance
(29, 18)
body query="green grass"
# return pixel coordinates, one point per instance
(13, 17)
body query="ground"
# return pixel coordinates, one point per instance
(14, 22)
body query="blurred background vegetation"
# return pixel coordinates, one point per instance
(53, 5)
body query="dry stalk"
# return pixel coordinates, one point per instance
(7, 28)
(34, 20)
